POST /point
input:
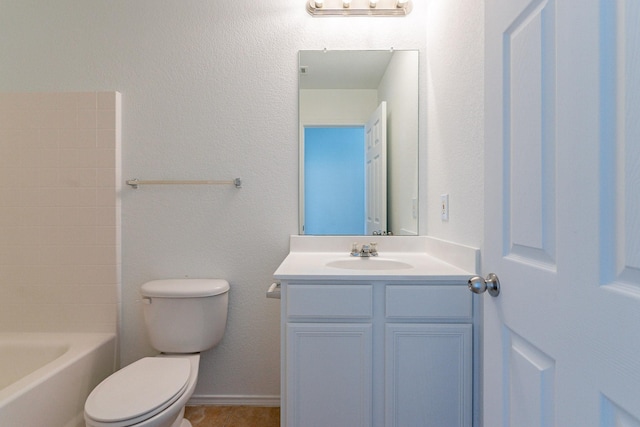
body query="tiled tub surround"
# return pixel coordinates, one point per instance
(59, 211)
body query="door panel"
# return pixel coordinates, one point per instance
(376, 170)
(620, 181)
(562, 213)
(529, 97)
(531, 375)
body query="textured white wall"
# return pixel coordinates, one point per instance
(336, 106)
(455, 129)
(209, 90)
(398, 89)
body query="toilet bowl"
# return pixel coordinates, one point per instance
(183, 318)
(151, 392)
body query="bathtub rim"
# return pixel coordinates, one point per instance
(80, 345)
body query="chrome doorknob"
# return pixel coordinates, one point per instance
(478, 285)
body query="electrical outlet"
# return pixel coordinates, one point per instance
(444, 207)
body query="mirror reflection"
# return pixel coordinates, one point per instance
(358, 142)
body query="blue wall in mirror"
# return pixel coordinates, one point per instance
(334, 180)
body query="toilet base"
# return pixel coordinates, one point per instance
(181, 421)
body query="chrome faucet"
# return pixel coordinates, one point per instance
(366, 250)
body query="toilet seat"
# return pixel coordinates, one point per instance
(138, 391)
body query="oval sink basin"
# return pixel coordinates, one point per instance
(371, 263)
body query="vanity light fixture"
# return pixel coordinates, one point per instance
(359, 7)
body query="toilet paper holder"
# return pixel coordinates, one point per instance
(274, 290)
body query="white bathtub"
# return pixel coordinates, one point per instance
(45, 378)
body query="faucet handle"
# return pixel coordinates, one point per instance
(354, 249)
(374, 249)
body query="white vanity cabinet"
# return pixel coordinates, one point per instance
(359, 353)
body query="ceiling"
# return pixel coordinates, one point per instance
(342, 69)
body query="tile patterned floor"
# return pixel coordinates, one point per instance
(233, 416)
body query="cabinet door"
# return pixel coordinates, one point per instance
(328, 375)
(428, 380)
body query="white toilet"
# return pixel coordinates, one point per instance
(183, 317)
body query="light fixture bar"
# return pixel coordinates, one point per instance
(359, 7)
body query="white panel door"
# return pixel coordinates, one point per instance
(376, 170)
(562, 213)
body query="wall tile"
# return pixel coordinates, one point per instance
(106, 138)
(106, 100)
(87, 119)
(86, 100)
(106, 178)
(59, 213)
(106, 119)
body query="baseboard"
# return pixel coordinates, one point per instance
(234, 400)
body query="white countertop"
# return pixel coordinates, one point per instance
(310, 255)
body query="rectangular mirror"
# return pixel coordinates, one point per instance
(358, 113)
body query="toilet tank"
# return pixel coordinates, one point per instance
(185, 315)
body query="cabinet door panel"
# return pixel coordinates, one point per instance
(428, 375)
(328, 375)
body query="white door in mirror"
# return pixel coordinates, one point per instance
(376, 170)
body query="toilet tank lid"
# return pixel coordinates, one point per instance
(184, 288)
